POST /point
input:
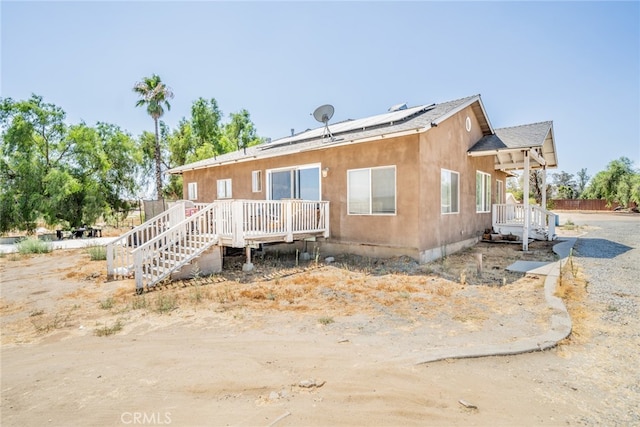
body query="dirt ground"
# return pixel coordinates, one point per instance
(287, 344)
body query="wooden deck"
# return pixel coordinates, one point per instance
(167, 242)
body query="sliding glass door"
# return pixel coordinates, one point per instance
(300, 182)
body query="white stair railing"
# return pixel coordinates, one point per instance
(119, 258)
(163, 245)
(172, 249)
(543, 221)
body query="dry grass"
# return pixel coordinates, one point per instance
(572, 288)
(397, 288)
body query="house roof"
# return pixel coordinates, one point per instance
(391, 124)
(508, 146)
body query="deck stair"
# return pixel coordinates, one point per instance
(170, 241)
(176, 247)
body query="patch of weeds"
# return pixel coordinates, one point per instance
(35, 313)
(198, 293)
(97, 253)
(139, 303)
(612, 308)
(196, 272)
(14, 256)
(326, 320)
(107, 304)
(166, 303)
(569, 225)
(105, 330)
(58, 321)
(34, 246)
(271, 296)
(225, 295)
(443, 291)
(404, 294)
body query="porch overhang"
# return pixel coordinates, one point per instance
(510, 146)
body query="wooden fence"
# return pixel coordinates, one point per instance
(584, 205)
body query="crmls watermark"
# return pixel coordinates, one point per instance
(146, 418)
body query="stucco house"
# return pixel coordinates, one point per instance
(419, 181)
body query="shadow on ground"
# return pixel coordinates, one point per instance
(599, 248)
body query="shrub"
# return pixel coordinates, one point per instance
(326, 320)
(107, 304)
(97, 253)
(105, 331)
(34, 246)
(166, 303)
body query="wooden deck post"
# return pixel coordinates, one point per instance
(248, 266)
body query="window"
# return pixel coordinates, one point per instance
(483, 192)
(499, 191)
(256, 181)
(192, 191)
(372, 191)
(449, 191)
(224, 188)
(300, 182)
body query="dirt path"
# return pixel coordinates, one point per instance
(334, 345)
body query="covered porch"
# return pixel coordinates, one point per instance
(524, 148)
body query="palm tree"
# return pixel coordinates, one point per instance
(155, 95)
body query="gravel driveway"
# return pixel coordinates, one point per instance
(610, 257)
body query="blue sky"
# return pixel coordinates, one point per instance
(576, 63)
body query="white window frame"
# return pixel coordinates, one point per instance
(370, 195)
(499, 191)
(256, 181)
(192, 191)
(457, 193)
(293, 169)
(483, 192)
(224, 188)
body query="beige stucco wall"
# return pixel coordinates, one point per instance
(445, 147)
(418, 227)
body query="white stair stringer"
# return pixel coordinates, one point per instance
(176, 247)
(161, 267)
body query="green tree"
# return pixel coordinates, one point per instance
(32, 144)
(536, 188)
(617, 184)
(240, 132)
(205, 124)
(565, 185)
(155, 95)
(181, 146)
(583, 180)
(58, 173)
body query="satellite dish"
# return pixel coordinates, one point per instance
(323, 114)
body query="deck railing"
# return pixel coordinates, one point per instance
(514, 215)
(155, 249)
(169, 251)
(119, 258)
(255, 220)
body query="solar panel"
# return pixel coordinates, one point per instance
(353, 125)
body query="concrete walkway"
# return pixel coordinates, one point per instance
(64, 244)
(560, 325)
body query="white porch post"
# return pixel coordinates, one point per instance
(544, 187)
(525, 196)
